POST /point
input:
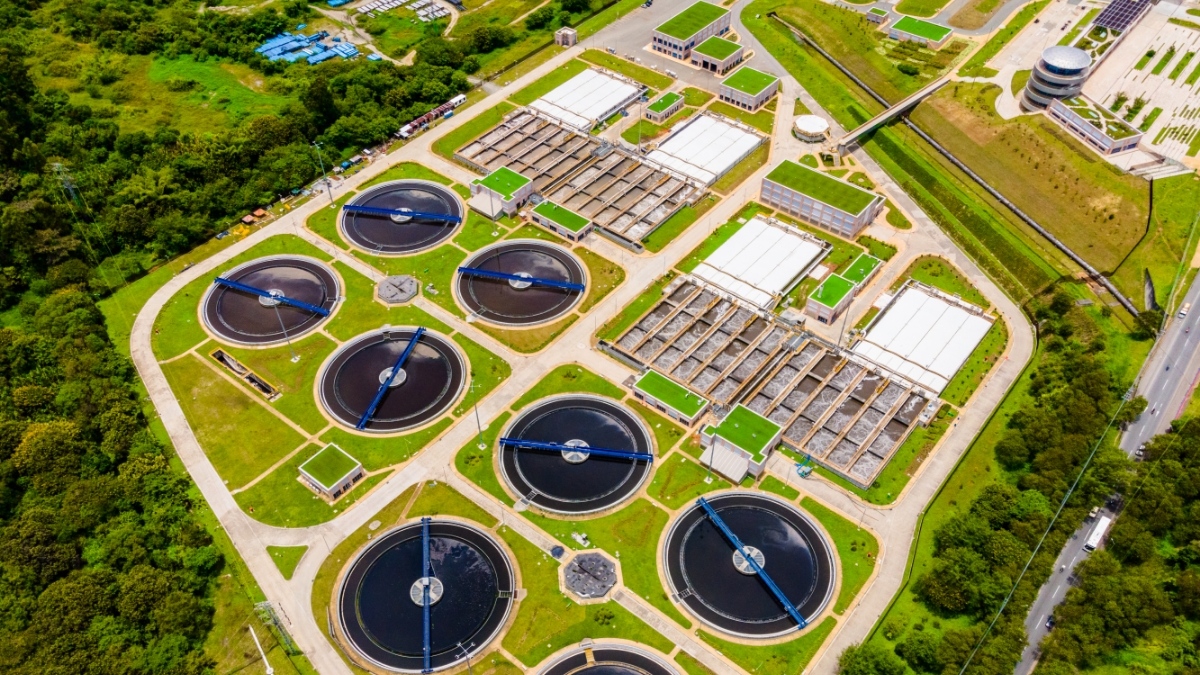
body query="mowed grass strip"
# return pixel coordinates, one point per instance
(617, 325)
(857, 548)
(616, 64)
(784, 658)
(376, 453)
(547, 83)
(360, 313)
(286, 558)
(476, 463)
(605, 275)
(293, 380)
(280, 499)
(439, 499)
(569, 379)
(683, 219)
(678, 480)
(1091, 206)
(241, 438)
(546, 620)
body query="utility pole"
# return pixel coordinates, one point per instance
(270, 670)
(328, 185)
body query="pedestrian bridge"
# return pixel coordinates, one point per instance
(844, 143)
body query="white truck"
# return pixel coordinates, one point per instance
(1097, 534)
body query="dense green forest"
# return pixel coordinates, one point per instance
(1137, 603)
(980, 551)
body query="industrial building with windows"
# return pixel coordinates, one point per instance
(820, 199)
(718, 55)
(562, 221)
(748, 88)
(681, 33)
(669, 397)
(908, 29)
(706, 147)
(331, 472)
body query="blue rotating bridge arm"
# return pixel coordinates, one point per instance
(362, 421)
(488, 274)
(762, 574)
(425, 574)
(376, 211)
(237, 286)
(599, 452)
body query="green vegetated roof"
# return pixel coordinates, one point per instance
(561, 216)
(749, 81)
(748, 430)
(692, 20)
(822, 187)
(670, 393)
(861, 268)
(329, 466)
(503, 181)
(664, 102)
(878, 12)
(924, 29)
(832, 291)
(717, 48)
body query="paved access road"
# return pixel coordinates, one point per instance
(894, 524)
(1170, 373)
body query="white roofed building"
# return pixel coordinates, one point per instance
(762, 261)
(924, 336)
(706, 147)
(589, 98)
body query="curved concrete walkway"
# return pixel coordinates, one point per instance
(293, 597)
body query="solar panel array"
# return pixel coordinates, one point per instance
(1121, 14)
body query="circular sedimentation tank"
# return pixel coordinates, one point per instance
(515, 303)
(573, 481)
(400, 233)
(608, 659)
(717, 585)
(429, 383)
(381, 612)
(242, 317)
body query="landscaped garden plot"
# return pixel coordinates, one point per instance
(1094, 209)
(616, 64)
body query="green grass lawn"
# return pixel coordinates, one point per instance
(857, 548)
(1166, 244)
(435, 267)
(439, 499)
(405, 170)
(644, 131)
(690, 665)
(377, 453)
(895, 218)
(547, 620)
(548, 82)
(617, 325)
(286, 558)
(529, 340)
(773, 484)
(225, 92)
(1091, 206)
(569, 379)
(604, 277)
(719, 236)
(280, 499)
(921, 8)
(616, 64)
(240, 437)
(879, 249)
(983, 358)
(324, 223)
(784, 658)
(763, 120)
(178, 327)
(936, 272)
(360, 313)
(395, 33)
(293, 380)
(477, 232)
(447, 145)
(666, 432)
(487, 372)
(742, 170)
(633, 534)
(477, 465)
(675, 225)
(678, 481)
(695, 97)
